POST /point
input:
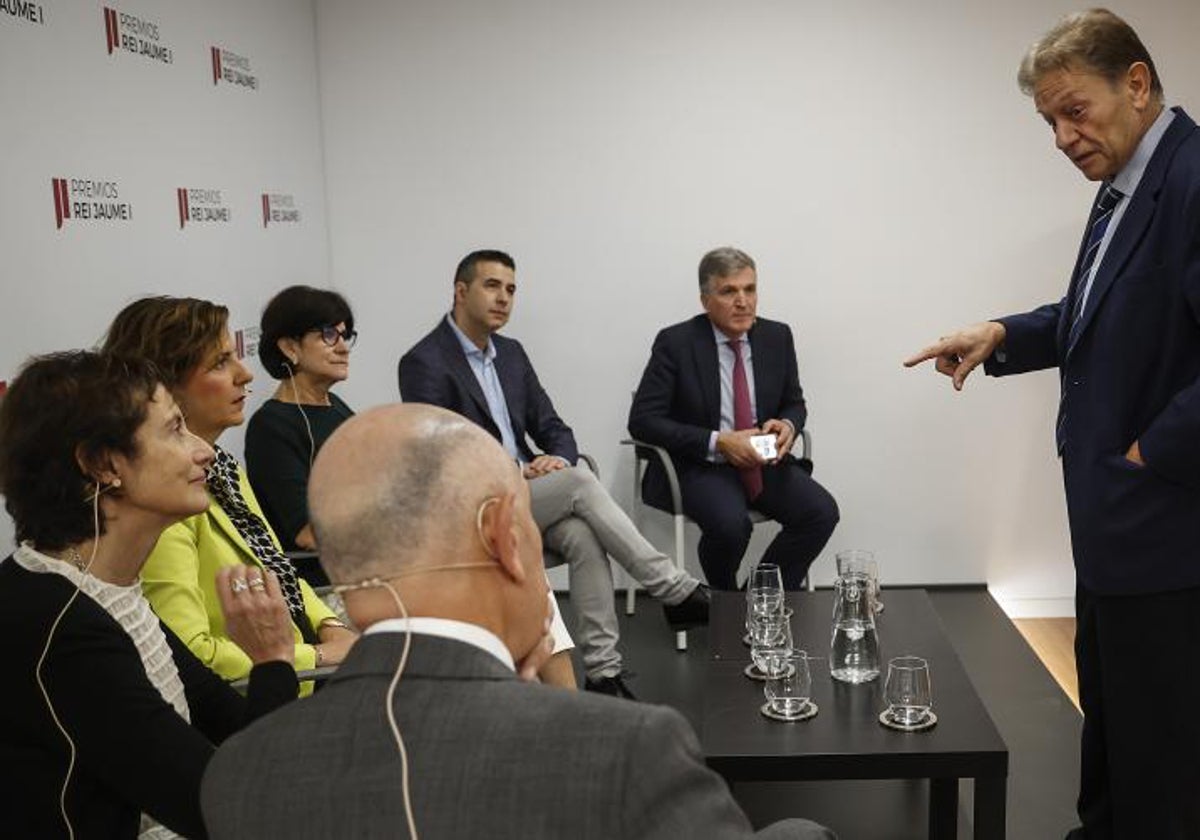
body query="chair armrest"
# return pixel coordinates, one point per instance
(640, 450)
(314, 674)
(591, 462)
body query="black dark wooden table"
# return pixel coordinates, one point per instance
(845, 739)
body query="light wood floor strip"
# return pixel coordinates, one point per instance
(1053, 640)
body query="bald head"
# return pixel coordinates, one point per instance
(401, 485)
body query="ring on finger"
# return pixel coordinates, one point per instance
(257, 583)
(238, 585)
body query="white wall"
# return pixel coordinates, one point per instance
(70, 109)
(876, 158)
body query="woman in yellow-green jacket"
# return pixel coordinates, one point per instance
(190, 343)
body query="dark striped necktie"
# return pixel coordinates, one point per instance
(1105, 206)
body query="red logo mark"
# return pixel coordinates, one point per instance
(62, 207)
(182, 198)
(266, 209)
(216, 64)
(111, 32)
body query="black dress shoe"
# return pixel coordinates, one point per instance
(613, 686)
(692, 611)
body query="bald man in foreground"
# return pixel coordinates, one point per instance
(425, 502)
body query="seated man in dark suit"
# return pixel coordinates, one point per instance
(427, 524)
(464, 366)
(712, 383)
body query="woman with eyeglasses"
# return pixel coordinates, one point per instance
(189, 341)
(305, 341)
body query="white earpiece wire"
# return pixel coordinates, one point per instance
(312, 444)
(71, 751)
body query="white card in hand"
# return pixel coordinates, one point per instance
(764, 445)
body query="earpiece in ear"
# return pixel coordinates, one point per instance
(116, 482)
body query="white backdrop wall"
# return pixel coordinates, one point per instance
(73, 110)
(876, 158)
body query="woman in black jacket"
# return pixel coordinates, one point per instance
(109, 719)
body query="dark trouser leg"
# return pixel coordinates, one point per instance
(808, 514)
(714, 498)
(1095, 802)
(1141, 773)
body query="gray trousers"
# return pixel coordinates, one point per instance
(581, 522)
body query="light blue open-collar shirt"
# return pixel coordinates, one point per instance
(483, 365)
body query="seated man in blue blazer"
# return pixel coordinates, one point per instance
(463, 365)
(713, 383)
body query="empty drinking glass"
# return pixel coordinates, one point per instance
(858, 561)
(789, 690)
(771, 641)
(854, 650)
(908, 691)
(764, 589)
(764, 593)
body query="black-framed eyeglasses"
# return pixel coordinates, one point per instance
(330, 335)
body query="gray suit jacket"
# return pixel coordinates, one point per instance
(489, 756)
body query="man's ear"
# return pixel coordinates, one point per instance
(1138, 82)
(497, 527)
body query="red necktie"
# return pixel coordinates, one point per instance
(743, 417)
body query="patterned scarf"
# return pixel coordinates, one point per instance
(224, 486)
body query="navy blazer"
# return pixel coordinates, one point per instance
(678, 402)
(436, 371)
(1133, 374)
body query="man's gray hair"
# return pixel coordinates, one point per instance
(723, 262)
(1095, 40)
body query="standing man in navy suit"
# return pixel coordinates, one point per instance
(1126, 342)
(464, 366)
(713, 383)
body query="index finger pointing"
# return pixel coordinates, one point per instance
(930, 352)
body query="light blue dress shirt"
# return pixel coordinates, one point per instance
(1127, 181)
(483, 365)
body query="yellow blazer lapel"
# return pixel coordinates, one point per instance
(226, 524)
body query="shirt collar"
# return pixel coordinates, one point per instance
(469, 347)
(721, 338)
(447, 628)
(1130, 176)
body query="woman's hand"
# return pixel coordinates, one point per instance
(256, 616)
(335, 643)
